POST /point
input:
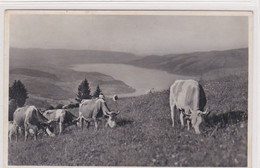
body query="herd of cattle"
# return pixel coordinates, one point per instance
(186, 96)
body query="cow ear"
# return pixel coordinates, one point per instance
(192, 111)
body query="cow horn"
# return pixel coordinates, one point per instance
(206, 112)
(108, 112)
(112, 112)
(75, 120)
(50, 121)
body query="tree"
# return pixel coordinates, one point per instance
(97, 92)
(18, 92)
(12, 108)
(83, 91)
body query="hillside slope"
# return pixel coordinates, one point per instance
(196, 63)
(144, 136)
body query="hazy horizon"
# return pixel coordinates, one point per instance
(127, 52)
(137, 34)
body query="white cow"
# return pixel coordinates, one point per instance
(91, 109)
(62, 116)
(12, 130)
(188, 97)
(15, 130)
(30, 119)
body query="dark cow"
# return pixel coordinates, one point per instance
(62, 116)
(91, 109)
(188, 97)
(29, 118)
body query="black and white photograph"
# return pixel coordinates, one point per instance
(128, 88)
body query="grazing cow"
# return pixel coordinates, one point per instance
(189, 98)
(91, 109)
(62, 116)
(12, 130)
(29, 117)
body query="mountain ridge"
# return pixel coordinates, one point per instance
(196, 63)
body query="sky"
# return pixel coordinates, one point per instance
(137, 34)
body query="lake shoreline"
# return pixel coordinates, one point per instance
(141, 79)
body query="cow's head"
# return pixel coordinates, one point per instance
(196, 117)
(111, 122)
(48, 126)
(76, 122)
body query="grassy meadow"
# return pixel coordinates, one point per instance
(144, 136)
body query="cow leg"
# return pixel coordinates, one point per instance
(61, 129)
(10, 135)
(87, 124)
(25, 135)
(81, 122)
(188, 123)
(95, 122)
(49, 132)
(197, 130)
(173, 108)
(181, 119)
(35, 135)
(26, 129)
(16, 133)
(196, 124)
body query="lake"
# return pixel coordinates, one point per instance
(141, 79)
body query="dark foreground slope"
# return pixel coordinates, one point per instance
(144, 136)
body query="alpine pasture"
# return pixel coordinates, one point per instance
(144, 136)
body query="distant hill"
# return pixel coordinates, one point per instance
(33, 73)
(50, 85)
(196, 63)
(58, 57)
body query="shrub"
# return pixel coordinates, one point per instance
(12, 108)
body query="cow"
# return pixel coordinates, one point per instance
(91, 109)
(29, 117)
(12, 130)
(188, 97)
(15, 130)
(62, 116)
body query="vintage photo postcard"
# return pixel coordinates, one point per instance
(128, 88)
